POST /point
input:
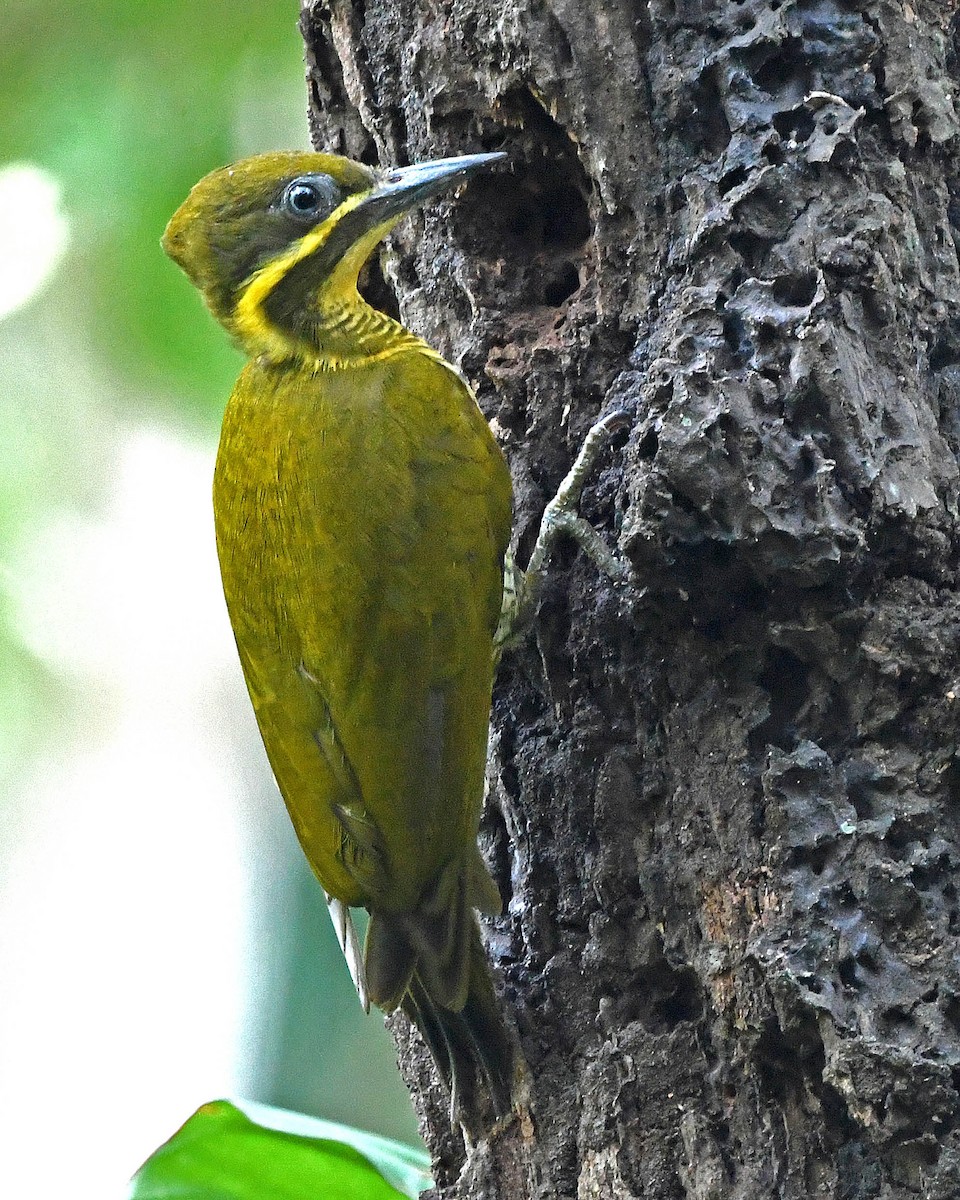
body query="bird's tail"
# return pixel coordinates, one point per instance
(431, 963)
(470, 1046)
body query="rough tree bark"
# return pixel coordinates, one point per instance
(725, 801)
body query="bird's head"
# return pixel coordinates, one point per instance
(275, 243)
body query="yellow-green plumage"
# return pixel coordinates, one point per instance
(362, 513)
(360, 548)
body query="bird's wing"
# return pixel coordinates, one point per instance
(346, 932)
(315, 776)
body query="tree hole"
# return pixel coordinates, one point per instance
(951, 1012)
(534, 213)
(796, 291)
(566, 221)
(648, 445)
(562, 286)
(374, 288)
(786, 68)
(787, 681)
(862, 780)
(847, 970)
(795, 125)
(786, 1058)
(751, 247)
(731, 180)
(685, 1003)
(704, 123)
(665, 996)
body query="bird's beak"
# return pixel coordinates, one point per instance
(403, 188)
(357, 230)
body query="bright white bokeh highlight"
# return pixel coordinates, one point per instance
(34, 232)
(124, 961)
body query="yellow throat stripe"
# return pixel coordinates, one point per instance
(337, 298)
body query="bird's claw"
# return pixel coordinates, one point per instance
(560, 517)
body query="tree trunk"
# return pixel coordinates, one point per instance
(725, 800)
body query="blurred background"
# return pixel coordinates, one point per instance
(161, 940)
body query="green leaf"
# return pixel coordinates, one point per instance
(223, 1154)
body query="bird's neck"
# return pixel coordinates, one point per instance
(282, 315)
(351, 334)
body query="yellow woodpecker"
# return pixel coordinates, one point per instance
(362, 512)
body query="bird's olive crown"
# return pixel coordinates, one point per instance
(241, 217)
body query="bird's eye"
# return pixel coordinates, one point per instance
(302, 199)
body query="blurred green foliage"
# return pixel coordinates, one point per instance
(223, 1155)
(126, 105)
(129, 104)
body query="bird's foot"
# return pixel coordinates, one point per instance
(521, 589)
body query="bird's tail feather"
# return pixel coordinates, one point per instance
(471, 1046)
(431, 963)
